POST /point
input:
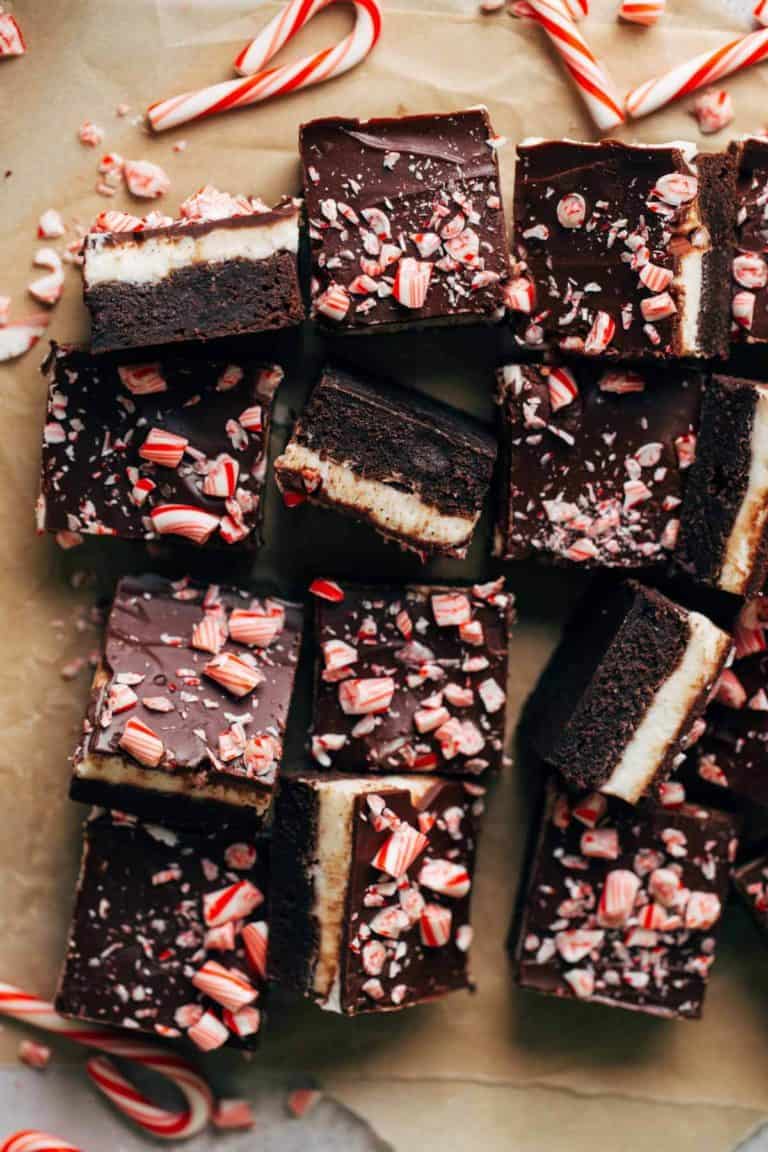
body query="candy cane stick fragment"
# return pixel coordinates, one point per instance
(160, 1122)
(590, 76)
(697, 73)
(261, 83)
(30, 1140)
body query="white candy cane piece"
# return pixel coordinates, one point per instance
(645, 12)
(255, 939)
(221, 478)
(32, 1140)
(520, 295)
(698, 72)
(361, 697)
(590, 76)
(163, 448)
(750, 270)
(11, 39)
(445, 878)
(600, 334)
(209, 1033)
(233, 903)
(145, 180)
(399, 851)
(327, 590)
(562, 387)
(412, 282)
(451, 609)
(260, 82)
(760, 12)
(654, 278)
(18, 338)
(713, 110)
(183, 520)
(224, 985)
(702, 911)
(571, 210)
(742, 309)
(575, 944)
(618, 898)
(142, 379)
(234, 674)
(435, 925)
(142, 743)
(207, 635)
(658, 307)
(254, 628)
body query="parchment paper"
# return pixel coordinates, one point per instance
(474, 1071)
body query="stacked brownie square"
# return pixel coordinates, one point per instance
(625, 444)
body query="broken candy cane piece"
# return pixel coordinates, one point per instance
(11, 39)
(18, 338)
(145, 180)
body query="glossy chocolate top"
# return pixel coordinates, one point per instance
(407, 936)
(412, 679)
(595, 461)
(104, 468)
(592, 222)
(623, 905)
(186, 663)
(142, 919)
(420, 188)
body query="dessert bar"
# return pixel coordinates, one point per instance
(225, 267)
(371, 889)
(143, 450)
(622, 250)
(623, 905)
(594, 461)
(415, 469)
(412, 679)
(632, 673)
(750, 269)
(724, 517)
(189, 704)
(406, 221)
(169, 934)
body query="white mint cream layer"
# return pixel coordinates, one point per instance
(667, 717)
(150, 261)
(390, 510)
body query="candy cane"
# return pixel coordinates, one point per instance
(158, 1121)
(30, 1140)
(696, 73)
(595, 85)
(261, 83)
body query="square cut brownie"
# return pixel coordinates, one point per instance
(406, 221)
(415, 469)
(168, 934)
(615, 705)
(412, 679)
(623, 905)
(144, 450)
(622, 250)
(371, 884)
(189, 704)
(594, 461)
(724, 517)
(225, 267)
(749, 299)
(732, 750)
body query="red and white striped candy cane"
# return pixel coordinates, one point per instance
(697, 73)
(590, 76)
(260, 83)
(159, 1122)
(30, 1140)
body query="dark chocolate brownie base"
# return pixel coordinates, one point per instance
(717, 482)
(718, 201)
(182, 811)
(200, 302)
(593, 694)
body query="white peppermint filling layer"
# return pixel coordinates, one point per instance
(150, 261)
(746, 534)
(333, 854)
(668, 715)
(690, 284)
(392, 511)
(117, 771)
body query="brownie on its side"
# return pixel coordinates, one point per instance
(594, 461)
(189, 705)
(724, 518)
(617, 700)
(406, 221)
(371, 883)
(226, 267)
(168, 934)
(732, 751)
(412, 679)
(749, 300)
(140, 450)
(622, 906)
(415, 469)
(623, 250)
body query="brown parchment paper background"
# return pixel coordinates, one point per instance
(498, 1069)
